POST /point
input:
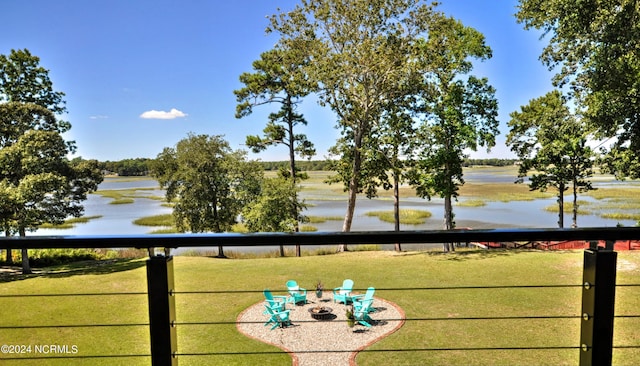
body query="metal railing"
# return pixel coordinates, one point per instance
(598, 285)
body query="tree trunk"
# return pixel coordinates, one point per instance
(292, 171)
(575, 202)
(351, 205)
(221, 252)
(26, 268)
(396, 205)
(9, 257)
(353, 188)
(561, 205)
(448, 221)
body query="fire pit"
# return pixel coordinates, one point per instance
(321, 313)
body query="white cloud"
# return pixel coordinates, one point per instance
(153, 114)
(98, 117)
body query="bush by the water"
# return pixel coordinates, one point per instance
(53, 257)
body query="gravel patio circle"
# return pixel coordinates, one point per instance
(321, 342)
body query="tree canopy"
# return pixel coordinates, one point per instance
(551, 143)
(455, 114)
(278, 78)
(271, 211)
(38, 183)
(595, 48)
(359, 53)
(22, 79)
(209, 182)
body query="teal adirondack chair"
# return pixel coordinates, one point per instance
(343, 293)
(358, 300)
(361, 312)
(296, 293)
(277, 318)
(276, 302)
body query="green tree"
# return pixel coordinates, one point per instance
(595, 48)
(359, 52)
(271, 211)
(456, 115)
(53, 188)
(22, 79)
(210, 182)
(279, 79)
(389, 154)
(38, 183)
(551, 142)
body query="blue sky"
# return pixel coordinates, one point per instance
(139, 75)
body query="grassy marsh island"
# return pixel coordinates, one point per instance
(156, 220)
(70, 223)
(407, 216)
(126, 196)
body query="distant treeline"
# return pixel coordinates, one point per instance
(490, 162)
(141, 166)
(304, 165)
(127, 167)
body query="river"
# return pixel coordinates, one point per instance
(117, 219)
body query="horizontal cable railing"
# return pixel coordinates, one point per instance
(315, 239)
(265, 353)
(575, 316)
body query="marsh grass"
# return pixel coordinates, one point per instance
(619, 203)
(568, 208)
(126, 196)
(83, 219)
(213, 292)
(471, 203)
(289, 251)
(624, 193)
(122, 201)
(70, 223)
(407, 217)
(502, 192)
(621, 215)
(68, 258)
(322, 219)
(157, 220)
(308, 228)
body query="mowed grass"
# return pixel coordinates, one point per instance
(435, 314)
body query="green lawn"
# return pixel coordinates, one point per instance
(432, 313)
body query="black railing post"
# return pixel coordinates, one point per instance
(598, 300)
(162, 311)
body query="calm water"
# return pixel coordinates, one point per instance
(118, 219)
